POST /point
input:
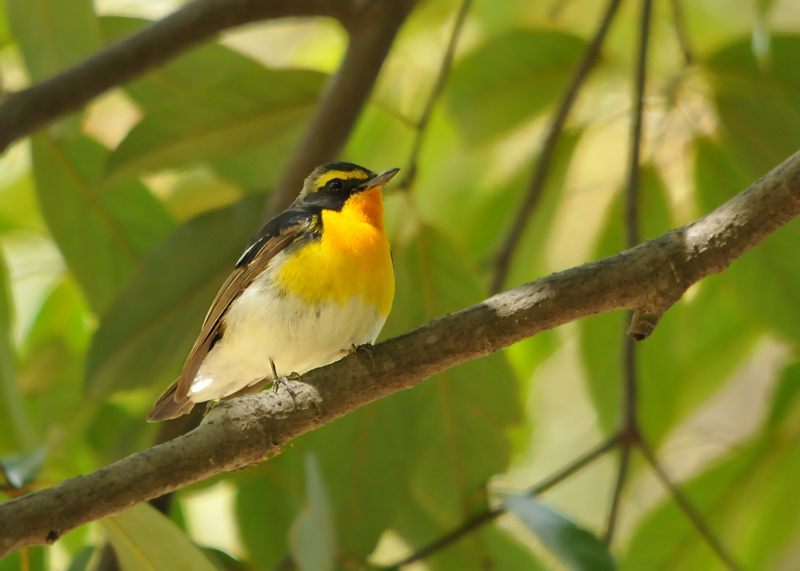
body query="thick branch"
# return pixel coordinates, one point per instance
(23, 112)
(245, 431)
(372, 31)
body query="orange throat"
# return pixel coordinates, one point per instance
(351, 260)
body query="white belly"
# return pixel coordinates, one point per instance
(260, 326)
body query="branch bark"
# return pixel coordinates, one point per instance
(23, 112)
(245, 431)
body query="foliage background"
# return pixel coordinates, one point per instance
(118, 224)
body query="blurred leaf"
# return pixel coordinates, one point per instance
(510, 79)
(784, 401)
(577, 548)
(312, 536)
(13, 417)
(440, 462)
(18, 208)
(145, 335)
(221, 120)
(5, 33)
(758, 108)
(766, 281)
(696, 346)
(191, 71)
(26, 559)
(82, 560)
(488, 547)
(143, 538)
(21, 470)
(102, 230)
(53, 34)
(748, 498)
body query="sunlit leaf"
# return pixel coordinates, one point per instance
(577, 548)
(510, 79)
(747, 499)
(13, 417)
(145, 335)
(143, 538)
(312, 537)
(191, 71)
(220, 121)
(102, 230)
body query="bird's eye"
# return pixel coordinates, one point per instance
(334, 185)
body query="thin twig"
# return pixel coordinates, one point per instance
(545, 157)
(622, 474)
(687, 508)
(679, 22)
(25, 111)
(436, 91)
(630, 425)
(489, 515)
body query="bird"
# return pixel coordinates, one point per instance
(315, 283)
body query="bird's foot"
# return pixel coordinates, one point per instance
(366, 350)
(279, 381)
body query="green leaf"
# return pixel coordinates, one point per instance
(145, 335)
(312, 537)
(440, 461)
(53, 34)
(13, 417)
(143, 538)
(21, 470)
(758, 107)
(577, 548)
(786, 393)
(102, 230)
(188, 73)
(696, 346)
(766, 281)
(488, 547)
(510, 79)
(220, 121)
(748, 499)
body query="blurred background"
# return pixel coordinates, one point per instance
(119, 223)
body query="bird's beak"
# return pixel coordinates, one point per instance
(377, 181)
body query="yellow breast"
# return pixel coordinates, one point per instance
(351, 259)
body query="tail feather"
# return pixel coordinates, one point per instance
(169, 405)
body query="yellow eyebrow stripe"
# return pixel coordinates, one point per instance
(344, 175)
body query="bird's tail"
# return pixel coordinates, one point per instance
(169, 405)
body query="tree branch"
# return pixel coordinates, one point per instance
(372, 30)
(245, 431)
(504, 255)
(25, 111)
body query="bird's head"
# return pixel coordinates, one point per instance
(331, 186)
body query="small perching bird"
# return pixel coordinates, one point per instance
(316, 281)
